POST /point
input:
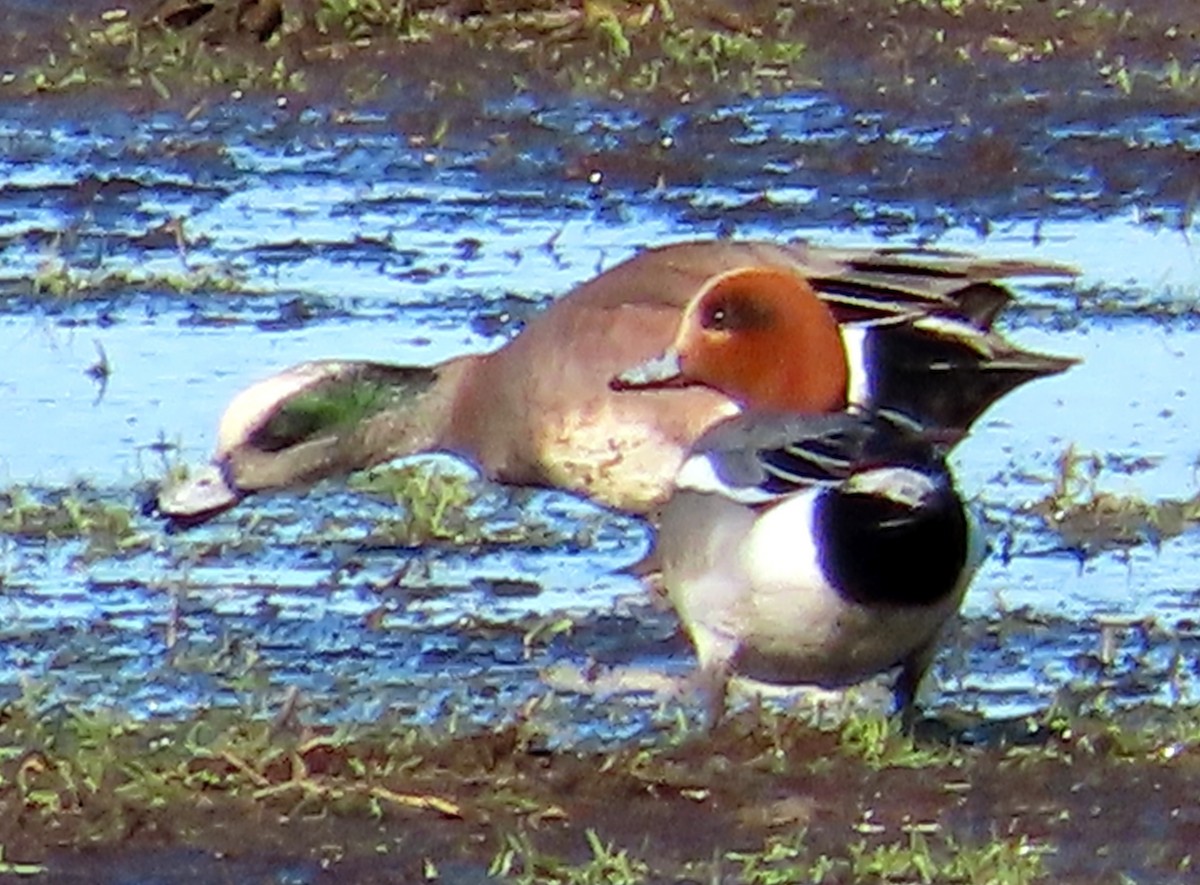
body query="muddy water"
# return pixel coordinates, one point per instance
(312, 233)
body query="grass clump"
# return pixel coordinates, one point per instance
(642, 47)
(914, 857)
(118, 50)
(78, 513)
(57, 280)
(440, 504)
(520, 862)
(1091, 519)
(363, 20)
(433, 505)
(94, 774)
(883, 742)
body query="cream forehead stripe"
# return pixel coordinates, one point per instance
(246, 410)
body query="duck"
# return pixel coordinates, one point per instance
(816, 549)
(741, 333)
(540, 410)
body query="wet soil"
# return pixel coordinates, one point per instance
(760, 800)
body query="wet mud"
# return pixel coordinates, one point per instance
(762, 799)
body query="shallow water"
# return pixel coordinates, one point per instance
(347, 237)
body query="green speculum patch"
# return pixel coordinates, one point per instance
(331, 406)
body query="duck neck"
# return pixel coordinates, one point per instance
(816, 384)
(421, 418)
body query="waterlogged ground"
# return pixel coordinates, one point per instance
(306, 237)
(154, 259)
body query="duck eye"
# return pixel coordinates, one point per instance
(716, 319)
(735, 315)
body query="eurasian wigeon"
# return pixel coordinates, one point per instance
(740, 335)
(816, 550)
(540, 410)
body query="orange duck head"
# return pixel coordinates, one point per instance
(761, 336)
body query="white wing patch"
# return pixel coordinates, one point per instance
(697, 474)
(858, 388)
(903, 485)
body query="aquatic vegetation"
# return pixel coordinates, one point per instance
(57, 280)
(1169, 77)
(73, 513)
(432, 505)
(443, 503)
(19, 869)
(1090, 519)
